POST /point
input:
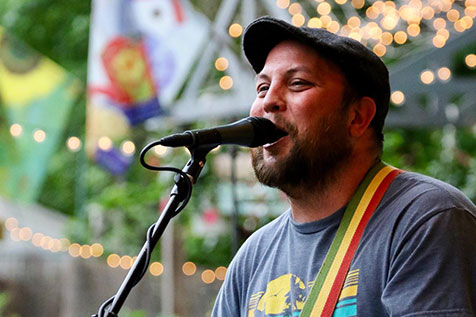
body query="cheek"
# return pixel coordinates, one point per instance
(256, 110)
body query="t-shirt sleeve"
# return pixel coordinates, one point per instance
(432, 269)
(227, 302)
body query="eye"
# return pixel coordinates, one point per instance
(261, 89)
(299, 84)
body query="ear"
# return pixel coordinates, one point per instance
(361, 114)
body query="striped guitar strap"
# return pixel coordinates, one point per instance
(324, 294)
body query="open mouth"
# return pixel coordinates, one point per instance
(279, 133)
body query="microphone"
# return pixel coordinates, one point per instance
(250, 132)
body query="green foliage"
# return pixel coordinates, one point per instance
(209, 252)
(4, 300)
(446, 153)
(57, 29)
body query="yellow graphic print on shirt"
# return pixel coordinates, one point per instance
(276, 300)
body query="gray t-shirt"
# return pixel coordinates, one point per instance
(417, 257)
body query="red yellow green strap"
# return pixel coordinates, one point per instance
(323, 297)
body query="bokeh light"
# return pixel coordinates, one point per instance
(226, 82)
(470, 60)
(39, 135)
(113, 260)
(282, 4)
(189, 268)
(73, 143)
(221, 64)
(427, 77)
(235, 30)
(16, 130)
(156, 269)
(444, 73)
(208, 276)
(220, 273)
(105, 143)
(397, 97)
(128, 147)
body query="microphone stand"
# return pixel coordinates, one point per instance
(178, 194)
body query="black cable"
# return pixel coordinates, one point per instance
(182, 174)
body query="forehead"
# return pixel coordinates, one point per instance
(291, 54)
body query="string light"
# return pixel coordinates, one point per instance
(105, 143)
(95, 250)
(397, 97)
(125, 262)
(439, 23)
(85, 251)
(208, 276)
(444, 73)
(427, 77)
(358, 4)
(235, 30)
(221, 64)
(298, 20)
(314, 23)
(74, 250)
(39, 135)
(470, 60)
(128, 148)
(113, 260)
(324, 8)
(453, 15)
(413, 29)
(73, 143)
(468, 21)
(387, 38)
(226, 82)
(444, 33)
(220, 273)
(16, 130)
(282, 4)
(295, 8)
(380, 49)
(438, 41)
(156, 269)
(400, 37)
(189, 268)
(372, 13)
(354, 22)
(427, 13)
(459, 26)
(333, 26)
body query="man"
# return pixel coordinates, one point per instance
(416, 255)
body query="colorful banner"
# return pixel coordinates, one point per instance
(140, 53)
(36, 96)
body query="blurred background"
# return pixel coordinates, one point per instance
(84, 86)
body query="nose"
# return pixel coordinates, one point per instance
(274, 100)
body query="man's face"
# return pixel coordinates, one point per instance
(302, 94)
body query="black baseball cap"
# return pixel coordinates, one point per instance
(365, 72)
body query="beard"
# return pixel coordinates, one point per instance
(312, 163)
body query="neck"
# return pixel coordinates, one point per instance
(311, 204)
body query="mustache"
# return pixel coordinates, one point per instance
(286, 126)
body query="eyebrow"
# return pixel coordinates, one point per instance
(288, 72)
